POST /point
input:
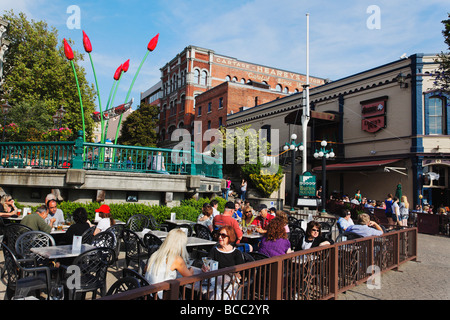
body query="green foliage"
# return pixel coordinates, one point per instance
(266, 184)
(138, 129)
(442, 78)
(188, 210)
(37, 72)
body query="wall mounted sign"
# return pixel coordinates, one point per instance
(373, 114)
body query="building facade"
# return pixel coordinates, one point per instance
(387, 126)
(196, 70)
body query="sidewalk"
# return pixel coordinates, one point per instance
(426, 279)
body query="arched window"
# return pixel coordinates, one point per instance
(228, 78)
(183, 102)
(286, 90)
(243, 80)
(235, 79)
(204, 78)
(437, 119)
(278, 88)
(197, 76)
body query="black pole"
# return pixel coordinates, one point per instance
(293, 181)
(324, 182)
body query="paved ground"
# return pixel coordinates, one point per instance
(427, 279)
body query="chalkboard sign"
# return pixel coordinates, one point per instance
(307, 185)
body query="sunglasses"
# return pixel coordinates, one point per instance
(223, 235)
(315, 230)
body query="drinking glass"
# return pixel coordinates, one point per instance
(57, 292)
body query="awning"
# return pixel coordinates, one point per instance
(365, 165)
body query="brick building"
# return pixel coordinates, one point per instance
(196, 70)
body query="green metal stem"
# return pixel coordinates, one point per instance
(128, 94)
(81, 101)
(98, 96)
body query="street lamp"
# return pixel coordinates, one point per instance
(58, 116)
(292, 146)
(5, 109)
(324, 154)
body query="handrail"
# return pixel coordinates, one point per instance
(316, 273)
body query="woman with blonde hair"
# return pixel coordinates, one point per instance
(168, 259)
(404, 211)
(7, 206)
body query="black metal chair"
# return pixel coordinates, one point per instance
(12, 232)
(117, 230)
(123, 285)
(88, 235)
(133, 273)
(157, 226)
(134, 248)
(202, 232)
(138, 223)
(21, 280)
(151, 243)
(326, 229)
(92, 268)
(293, 222)
(104, 239)
(33, 239)
(295, 237)
(258, 255)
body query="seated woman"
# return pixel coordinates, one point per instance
(275, 242)
(80, 217)
(313, 237)
(7, 206)
(206, 217)
(169, 259)
(247, 217)
(106, 220)
(224, 252)
(344, 220)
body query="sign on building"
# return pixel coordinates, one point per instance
(307, 185)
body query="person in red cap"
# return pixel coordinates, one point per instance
(106, 220)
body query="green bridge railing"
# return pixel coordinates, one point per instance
(109, 157)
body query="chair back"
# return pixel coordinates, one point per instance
(133, 246)
(133, 273)
(33, 239)
(295, 237)
(93, 267)
(202, 232)
(157, 226)
(12, 232)
(88, 235)
(151, 243)
(122, 285)
(258, 255)
(138, 223)
(326, 229)
(104, 239)
(12, 272)
(351, 235)
(117, 229)
(293, 222)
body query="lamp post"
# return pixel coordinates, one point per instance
(5, 109)
(57, 118)
(293, 147)
(324, 154)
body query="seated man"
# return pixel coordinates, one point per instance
(365, 227)
(263, 219)
(36, 221)
(226, 219)
(54, 212)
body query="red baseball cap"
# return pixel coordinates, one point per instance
(104, 208)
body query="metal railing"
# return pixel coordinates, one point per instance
(315, 274)
(95, 156)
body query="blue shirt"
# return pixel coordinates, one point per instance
(364, 230)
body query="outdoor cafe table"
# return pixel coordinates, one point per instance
(175, 223)
(191, 241)
(61, 252)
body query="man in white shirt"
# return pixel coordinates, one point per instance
(214, 204)
(54, 212)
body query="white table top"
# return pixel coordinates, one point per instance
(254, 235)
(58, 252)
(178, 222)
(192, 241)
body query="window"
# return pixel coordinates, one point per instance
(228, 78)
(209, 124)
(197, 76)
(220, 103)
(220, 122)
(243, 80)
(199, 112)
(183, 102)
(278, 88)
(204, 78)
(209, 107)
(437, 119)
(286, 90)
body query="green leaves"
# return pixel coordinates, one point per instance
(139, 127)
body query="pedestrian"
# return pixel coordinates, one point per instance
(243, 189)
(388, 210)
(404, 211)
(227, 188)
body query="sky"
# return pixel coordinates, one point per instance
(345, 37)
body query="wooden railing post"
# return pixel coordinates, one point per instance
(334, 271)
(276, 280)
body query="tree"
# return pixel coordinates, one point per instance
(36, 72)
(139, 127)
(442, 78)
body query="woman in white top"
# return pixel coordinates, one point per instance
(106, 220)
(168, 259)
(404, 211)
